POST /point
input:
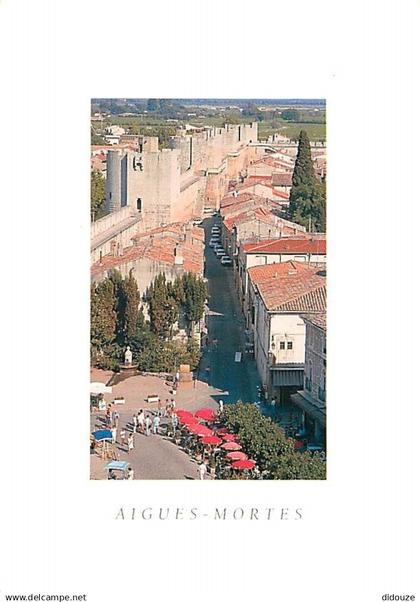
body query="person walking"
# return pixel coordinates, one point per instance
(116, 419)
(156, 422)
(130, 442)
(130, 474)
(202, 470)
(159, 408)
(148, 424)
(114, 434)
(140, 420)
(174, 422)
(221, 405)
(134, 423)
(173, 404)
(122, 436)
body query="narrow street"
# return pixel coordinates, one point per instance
(226, 327)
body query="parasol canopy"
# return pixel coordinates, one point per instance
(229, 437)
(236, 455)
(231, 446)
(184, 419)
(206, 414)
(98, 388)
(103, 435)
(182, 412)
(211, 440)
(200, 430)
(244, 464)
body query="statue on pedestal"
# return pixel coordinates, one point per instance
(128, 356)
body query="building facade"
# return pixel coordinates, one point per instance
(278, 294)
(312, 398)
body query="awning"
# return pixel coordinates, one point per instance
(315, 412)
(287, 377)
(98, 388)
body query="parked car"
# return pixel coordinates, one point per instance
(220, 252)
(215, 230)
(213, 242)
(225, 260)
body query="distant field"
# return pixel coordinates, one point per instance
(135, 124)
(315, 131)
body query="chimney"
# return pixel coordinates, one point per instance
(178, 258)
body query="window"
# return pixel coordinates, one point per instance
(282, 345)
(139, 204)
(289, 345)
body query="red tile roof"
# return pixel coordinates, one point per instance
(319, 320)
(315, 246)
(263, 182)
(282, 179)
(290, 286)
(158, 245)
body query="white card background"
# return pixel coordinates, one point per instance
(357, 538)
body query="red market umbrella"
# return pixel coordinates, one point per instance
(206, 414)
(229, 437)
(200, 430)
(181, 412)
(243, 464)
(231, 446)
(236, 455)
(211, 440)
(187, 419)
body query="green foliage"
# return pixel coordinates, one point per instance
(96, 139)
(187, 294)
(290, 115)
(190, 292)
(156, 355)
(130, 309)
(307, 206)
(153, 104)
(303, 172)
(97, 193)
(103, 317)
(163, 308)
(114, 318)
(307, 201)
(117, 321)
(263, 441)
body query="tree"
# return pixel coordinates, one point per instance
(117, 282)
(163, 309)
(130, 307)
(264, 442)
(290, 115)
(97, 193)
(307, 206)
(103, 318)
(190, 293)
(153, 104)
(304, 170)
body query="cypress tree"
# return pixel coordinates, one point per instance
(131, 301)
(303, 173)
(103, 317)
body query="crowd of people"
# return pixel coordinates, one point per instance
(162, 419)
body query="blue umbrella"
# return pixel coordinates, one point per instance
(102, 435)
